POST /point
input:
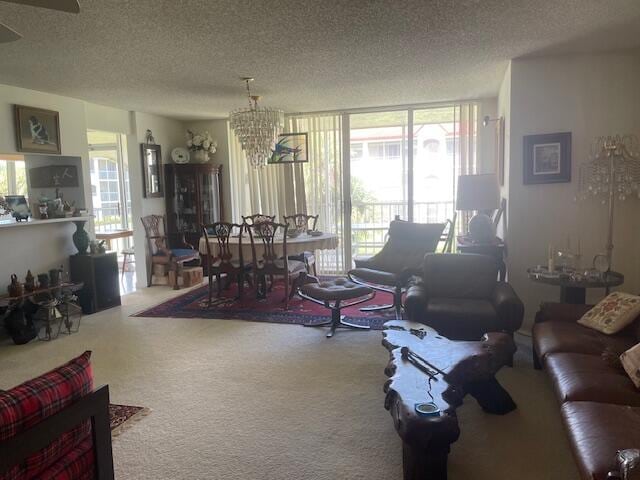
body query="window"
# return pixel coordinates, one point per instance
(392, 150)
(387, 150)
(376, 150)
(356, 151)
(13, 177)
(109, 181)
(450, 144)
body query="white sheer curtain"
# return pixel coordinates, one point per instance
(270, 190)
(323, 181)
(465, 146)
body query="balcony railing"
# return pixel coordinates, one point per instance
(370, 221)
(108, 219)
(369, 226)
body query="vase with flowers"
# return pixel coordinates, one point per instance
(201, 144)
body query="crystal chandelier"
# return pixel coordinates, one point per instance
(611, 173)
(257, 128)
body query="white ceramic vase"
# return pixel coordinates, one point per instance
(200, 156)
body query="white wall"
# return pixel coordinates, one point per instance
(588, 95)
(218, 130)
(504, 110)
(40, 248)
(486, 148)
(168, 133)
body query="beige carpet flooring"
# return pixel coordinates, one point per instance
(242, 400)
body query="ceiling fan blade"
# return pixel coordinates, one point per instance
(8, 34)
(71, 6)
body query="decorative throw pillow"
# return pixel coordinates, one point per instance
(631, 362)
(31, 402)
(616, 311)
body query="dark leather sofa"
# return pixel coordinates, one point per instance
(460, 297)
(600, 405)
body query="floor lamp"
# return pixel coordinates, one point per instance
(611, 173)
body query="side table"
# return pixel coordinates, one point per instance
(496, 249)
(99, 273)
(573, 289)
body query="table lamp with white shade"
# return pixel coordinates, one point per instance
(479, 193)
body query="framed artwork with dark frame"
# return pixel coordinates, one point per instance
(152, 170)
(37, 130)
(290, 148)
(547, 158)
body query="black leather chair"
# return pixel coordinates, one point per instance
(401, 257)
(459, 295)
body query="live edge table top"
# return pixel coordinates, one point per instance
(468, 368)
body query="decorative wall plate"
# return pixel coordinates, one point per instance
(180, 155)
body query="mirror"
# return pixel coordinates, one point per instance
(152, 168)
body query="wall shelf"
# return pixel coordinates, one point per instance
(11, 223)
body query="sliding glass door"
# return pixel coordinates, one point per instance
(378, 177)
(433, 174)
(402, 163)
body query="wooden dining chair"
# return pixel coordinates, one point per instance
(303, 223)
(257, 218)
(162, 251)
(270, 262)
(221, 260)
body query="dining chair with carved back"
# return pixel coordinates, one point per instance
(163, 250)
(257, 218)
(269, 261)
(222, 261)
(303, 223)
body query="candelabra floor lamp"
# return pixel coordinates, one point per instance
(612, 174)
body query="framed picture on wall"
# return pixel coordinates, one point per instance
(37, 130)
(290, 148)
(547, 158)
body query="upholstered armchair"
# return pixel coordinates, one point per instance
(400, 258)
(459, 295)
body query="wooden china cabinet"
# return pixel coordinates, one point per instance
(194, 198)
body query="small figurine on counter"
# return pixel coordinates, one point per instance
(29, 282)
(15, 288)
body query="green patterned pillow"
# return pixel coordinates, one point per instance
(616, 311)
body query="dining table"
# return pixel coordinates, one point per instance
(295, 245)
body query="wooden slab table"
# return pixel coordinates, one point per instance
(466, 368)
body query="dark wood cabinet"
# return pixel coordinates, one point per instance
(194, 198)
(99, 273)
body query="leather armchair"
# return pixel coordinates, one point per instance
(400, 258)
(460, 297)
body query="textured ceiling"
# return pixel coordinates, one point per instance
(184, 58)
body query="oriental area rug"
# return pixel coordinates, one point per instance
(194, 304)
(122, 417)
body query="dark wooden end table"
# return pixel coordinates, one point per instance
(466, 368)
(495, 249)
(574, 290)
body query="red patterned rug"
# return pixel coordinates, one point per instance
(194, 304)
(122, 416)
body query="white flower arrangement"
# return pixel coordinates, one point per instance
(201, 141)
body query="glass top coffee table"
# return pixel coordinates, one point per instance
(573, 284)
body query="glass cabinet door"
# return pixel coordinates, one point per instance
(210, 197)
(186, 203)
